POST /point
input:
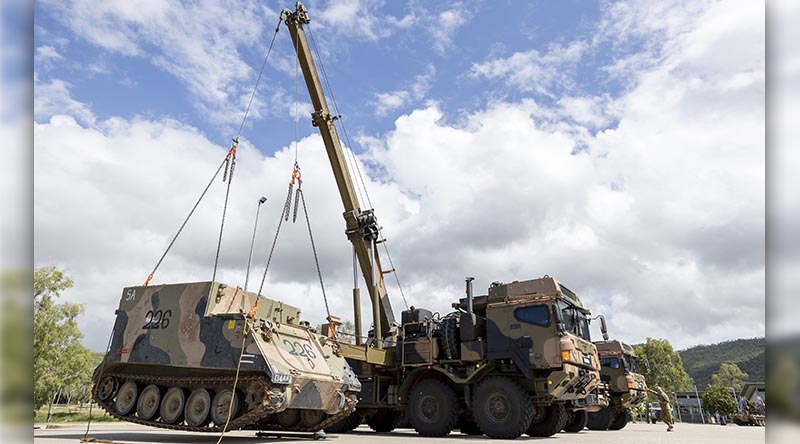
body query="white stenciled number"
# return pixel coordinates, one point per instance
(130, 294)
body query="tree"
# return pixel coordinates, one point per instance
(665, 366)
(729, 375)
(60, 360)
(719, 400)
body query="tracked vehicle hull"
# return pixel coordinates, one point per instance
(175, 350)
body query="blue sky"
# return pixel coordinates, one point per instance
(616, 145)
(360, 66)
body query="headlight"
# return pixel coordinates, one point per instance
(565, 355)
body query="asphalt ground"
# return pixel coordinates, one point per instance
(634, 433)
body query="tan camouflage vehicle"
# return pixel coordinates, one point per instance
(624, 383)
(174, 355)
(507, 363)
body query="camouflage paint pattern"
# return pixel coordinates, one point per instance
(537, 349)
(627, 388)
(195, 329)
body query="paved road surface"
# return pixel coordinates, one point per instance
(633, 434)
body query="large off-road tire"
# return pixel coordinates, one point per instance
(576, 421)
(348, 424)
(451, 342)
(501, 408)
(384, 420)
(600, 420)
(548, 420)
(433, 408)
(620, 420)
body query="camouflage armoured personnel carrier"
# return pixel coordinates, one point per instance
(623, 382)
(175, 350)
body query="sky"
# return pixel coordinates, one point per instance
(616, 146)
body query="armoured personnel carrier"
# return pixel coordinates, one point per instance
(183, 356)
(624, 384)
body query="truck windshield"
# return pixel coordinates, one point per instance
(631, 363)
(575, 322)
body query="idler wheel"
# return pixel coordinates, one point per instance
(149, 400)
(126, 398)
(288, 418)
(198, 405)
(172, 404)
(310, 418)
(107, 388)
(221, 405)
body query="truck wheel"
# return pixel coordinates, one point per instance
(501, 408)
(576, 422)
(433, 408)
(384, 420)
(346, 425)
(620, 420)
(600, 420)
(548, 421)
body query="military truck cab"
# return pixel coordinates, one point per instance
(624, 383)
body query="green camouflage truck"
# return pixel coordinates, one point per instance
(515, 361)
(175, 350)
(622, 381)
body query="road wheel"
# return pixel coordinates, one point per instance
(384, 420)
(600, 420)
(347, 424)
(576, 422)
(126, 398)
(172, 404)
(149, 401)
(198, 405)
(501, 408)
(620, 420)
(107, 388)
(548, 420)
(433, 408)
(310, 418)
(222, 404)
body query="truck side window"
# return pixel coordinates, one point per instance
(610, 362)
(534, 314)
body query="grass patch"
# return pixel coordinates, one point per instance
(72, 414)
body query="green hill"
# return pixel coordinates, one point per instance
(702, 361)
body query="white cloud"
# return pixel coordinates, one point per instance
(446, 24)
(197, 43)
(361, 18)
(54, 98)
(412, 94)
(532, 71)
(659, 222)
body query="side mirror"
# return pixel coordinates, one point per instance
(558, 316)
(604, 327)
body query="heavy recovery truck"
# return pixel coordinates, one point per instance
(516, 360)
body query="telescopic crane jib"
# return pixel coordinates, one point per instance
(362, 226)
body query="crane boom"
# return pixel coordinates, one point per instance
(362, 228)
